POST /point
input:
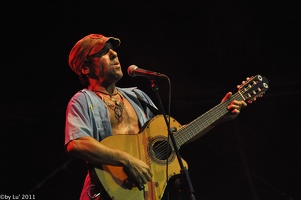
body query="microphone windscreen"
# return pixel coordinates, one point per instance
(131, 70)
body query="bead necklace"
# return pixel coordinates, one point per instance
(114, 94)
(117, 106)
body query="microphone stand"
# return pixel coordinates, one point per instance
(184, 171)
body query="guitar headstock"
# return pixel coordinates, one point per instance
(253, 87)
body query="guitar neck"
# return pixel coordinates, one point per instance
(204, 121)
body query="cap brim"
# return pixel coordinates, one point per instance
(114, 41)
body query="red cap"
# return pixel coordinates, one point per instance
(87, 46)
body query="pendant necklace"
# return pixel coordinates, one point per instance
(116, 106)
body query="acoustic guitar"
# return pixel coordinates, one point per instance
(153, 146)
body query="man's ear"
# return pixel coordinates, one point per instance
(85, 70)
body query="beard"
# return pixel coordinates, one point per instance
(115, 75)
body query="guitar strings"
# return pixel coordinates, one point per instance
(164, 147)
(217, 111)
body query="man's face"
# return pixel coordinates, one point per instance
(106, 65)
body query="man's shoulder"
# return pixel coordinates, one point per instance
(84, 95)
(81, 93)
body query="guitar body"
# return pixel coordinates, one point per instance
(149, 146)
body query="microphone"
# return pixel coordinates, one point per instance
(133, 71)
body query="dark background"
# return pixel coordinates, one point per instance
(205, 48)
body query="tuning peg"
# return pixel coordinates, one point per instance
(242, 83)
(250, 101)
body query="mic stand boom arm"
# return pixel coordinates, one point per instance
(184, 171)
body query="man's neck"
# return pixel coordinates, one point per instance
(105, 90)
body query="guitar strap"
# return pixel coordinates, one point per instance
(144, 103)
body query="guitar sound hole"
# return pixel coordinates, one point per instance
(160, 150)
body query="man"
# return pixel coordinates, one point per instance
(102, 109)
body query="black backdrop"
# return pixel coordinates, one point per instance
(206, 49)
